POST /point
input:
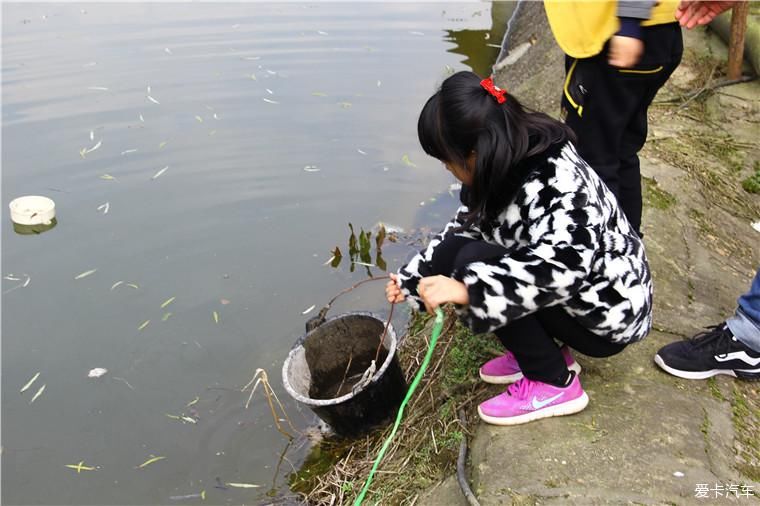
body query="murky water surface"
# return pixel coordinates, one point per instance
(205, 159)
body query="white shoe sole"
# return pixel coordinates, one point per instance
(565, 408)
(694, 375)
(507, 380)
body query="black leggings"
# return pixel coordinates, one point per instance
(530, 338)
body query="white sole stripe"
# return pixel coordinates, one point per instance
(692, 374)
(512, 378)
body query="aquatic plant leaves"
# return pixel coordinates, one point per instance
(337, 257)
(380, 237)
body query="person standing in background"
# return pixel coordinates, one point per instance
(617, 57)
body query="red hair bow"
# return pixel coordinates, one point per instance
(499, 94)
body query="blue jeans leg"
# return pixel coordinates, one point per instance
(745, 324)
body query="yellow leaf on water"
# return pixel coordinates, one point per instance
(200, 120)
(162, 144)
(166, 316)
(108, 177)
(318, 94)
(132, 285)
(85, 274)
(29, 383)
(144, 324)
(150, 461)
(242, 485)
(216, 317)
(167, 302)
(407, 161)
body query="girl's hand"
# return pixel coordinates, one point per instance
(392, 291)
(437, 290)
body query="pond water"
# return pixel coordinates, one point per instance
(205, 160)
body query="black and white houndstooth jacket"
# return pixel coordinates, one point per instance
(568, 244)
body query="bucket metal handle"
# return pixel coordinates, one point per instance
(315, 321)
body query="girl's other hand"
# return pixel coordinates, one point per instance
(392, 291)
(437, 290)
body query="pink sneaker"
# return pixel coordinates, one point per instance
(504, 370)
(529, 400)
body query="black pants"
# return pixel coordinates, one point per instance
(531, 338)
(607, 109)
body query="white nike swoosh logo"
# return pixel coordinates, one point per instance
(540, 404)
(741, 355)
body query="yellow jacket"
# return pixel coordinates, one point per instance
(582, 27)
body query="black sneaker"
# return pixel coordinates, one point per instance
(708, 354)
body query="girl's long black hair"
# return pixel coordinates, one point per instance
(463, 117)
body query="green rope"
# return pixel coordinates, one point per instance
(437, 328)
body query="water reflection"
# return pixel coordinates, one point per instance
(482, 46)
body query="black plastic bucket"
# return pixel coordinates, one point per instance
(316, 368)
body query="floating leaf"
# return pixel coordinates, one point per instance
(253, 77)
(200, 120)
(153, 100)
(108, 177)
(167, 302)
(361, 152)
(173, 417)
(104, 207)
(308, 309)
(97, 372)
(162, 144)
(216, 317)
(318, 94)
(85, 274)
(80, 467)
(193, 402)
(166, 316)
(132, 285)
(142, 119)
(29, 383)
(150, 461)
(407, 161)
(158, 174)
(242, 485)
(311, 168)
(118, 283)
(143, 325)
(97, 88)
(270, 101)
(39, 392)
(187, 419)
(96, 146)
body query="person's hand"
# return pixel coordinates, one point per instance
(697, 13)
(392, 291)
(437, 290)
(624, 52)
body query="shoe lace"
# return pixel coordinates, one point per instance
(717, 336)
(521, 388)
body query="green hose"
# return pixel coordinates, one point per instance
(437, 328)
